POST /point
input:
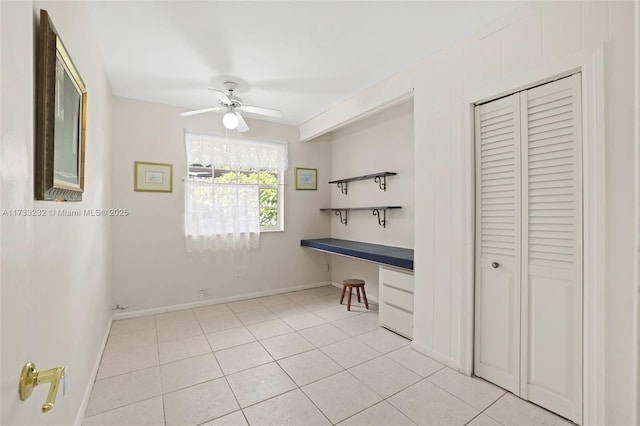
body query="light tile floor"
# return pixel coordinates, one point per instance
(292, 359)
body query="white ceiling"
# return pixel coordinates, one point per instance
(302, 57)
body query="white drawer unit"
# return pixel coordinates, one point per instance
(396, 301)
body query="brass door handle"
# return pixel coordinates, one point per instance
(31, 377)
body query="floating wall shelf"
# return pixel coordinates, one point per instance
(344, 213)
(379, 178)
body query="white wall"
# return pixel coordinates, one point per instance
(151, 266)
(55, 271)
(380, 143)
(515, 51)
(636, 306)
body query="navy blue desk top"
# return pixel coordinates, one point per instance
(385, 255)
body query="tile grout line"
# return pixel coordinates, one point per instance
(277, 361)
(297, 387)
(291, 378)
(316, 381)
(455, 396)
(351, 374)
(473, 418)
(363, 384)
(314, 403)
(212, 350)
(164, 412)
(246, 369)
(126, 405)
(235, 397)
(385, 399)
(223, 376)
(162, 382)
(147, 368)
(162, 393)
(245, 325)
(272, 360)
(491, 405)
(378, 403)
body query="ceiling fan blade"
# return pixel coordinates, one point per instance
(242, 125)
(262, 111)
(199, 111)
(224, 98)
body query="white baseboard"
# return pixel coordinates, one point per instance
(87, 392)
(437, 356)
(369, 298)
(191, 305)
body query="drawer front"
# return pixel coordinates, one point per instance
(396, 279)
(396, 319)
(397, 297)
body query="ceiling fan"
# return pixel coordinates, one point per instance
(232, 119)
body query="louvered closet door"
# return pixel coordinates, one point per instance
(551, 353)
(498, 227)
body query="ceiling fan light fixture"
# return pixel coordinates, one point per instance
(233, 119)
(230, 120)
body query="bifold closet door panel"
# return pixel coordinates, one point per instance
(551, 354)
(498, 245)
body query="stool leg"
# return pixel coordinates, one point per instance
(342, 295)
(364, 296)
(358, 293)
(349, 302)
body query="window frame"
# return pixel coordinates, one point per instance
(278, 186)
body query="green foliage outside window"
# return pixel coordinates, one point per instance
(268, 190)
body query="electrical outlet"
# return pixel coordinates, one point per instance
(205, 293)
(237, 272)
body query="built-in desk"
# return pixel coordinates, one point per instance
(383, 255)
(395, 287)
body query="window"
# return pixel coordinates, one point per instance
(234, 191)
(269, 184)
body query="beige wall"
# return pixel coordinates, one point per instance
(515, 51)
(55, 271)
(151, 266)
(380, 143)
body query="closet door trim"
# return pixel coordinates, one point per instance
(591, 65)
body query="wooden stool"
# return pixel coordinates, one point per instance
(351, 283)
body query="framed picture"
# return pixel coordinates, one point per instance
(61, 113)
(153, 177)
(306, 179)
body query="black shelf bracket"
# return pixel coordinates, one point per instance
(382, 222)
(343, 187)
(343, 220)
(379, 211)
(381, 181)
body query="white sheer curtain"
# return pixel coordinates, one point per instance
(226, 216)
(225, 152)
